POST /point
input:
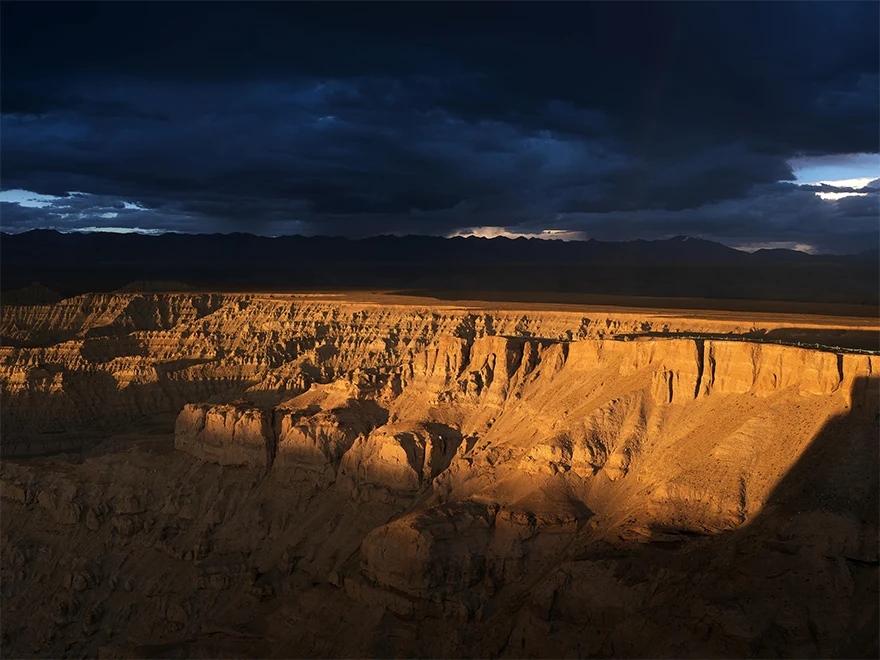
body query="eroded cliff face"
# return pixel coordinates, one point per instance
(277, 477)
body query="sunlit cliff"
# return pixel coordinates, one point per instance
(276, 476)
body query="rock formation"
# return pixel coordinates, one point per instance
(227, 434)
(283, 477)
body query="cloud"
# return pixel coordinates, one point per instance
(834, 196)
(277, 118)
(497, 232)
(777, 245)
(782, 214)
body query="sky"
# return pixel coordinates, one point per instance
(753, 124)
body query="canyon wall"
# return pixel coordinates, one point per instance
(96, 360)
(395, 472)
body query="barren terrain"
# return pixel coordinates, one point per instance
(374, 475)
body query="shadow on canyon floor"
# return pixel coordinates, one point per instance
(799, 579)
(828, 502)
(43, 422)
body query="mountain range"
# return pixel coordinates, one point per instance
(72, 263)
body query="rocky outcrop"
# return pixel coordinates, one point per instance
(402, 456)
(313, 443)
(437, 555)
(737, 368)
(227, 434)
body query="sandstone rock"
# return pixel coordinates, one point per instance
(312, 442)
(228, 435)
(79, 580)
(93, 521)
(124, 525)
(431, 554)
(288, 562)
(61, 506)
(177, 614)
(93, 616)
(14, 492)
(400, 456)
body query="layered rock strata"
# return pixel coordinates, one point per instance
(363, 482)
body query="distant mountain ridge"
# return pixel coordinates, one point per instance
(676, 267)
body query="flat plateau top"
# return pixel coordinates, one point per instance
(829, 325)
(803, 323)
(765, 312)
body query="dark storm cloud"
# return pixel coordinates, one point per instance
(427, 118)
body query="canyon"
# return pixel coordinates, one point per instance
(207, 474)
